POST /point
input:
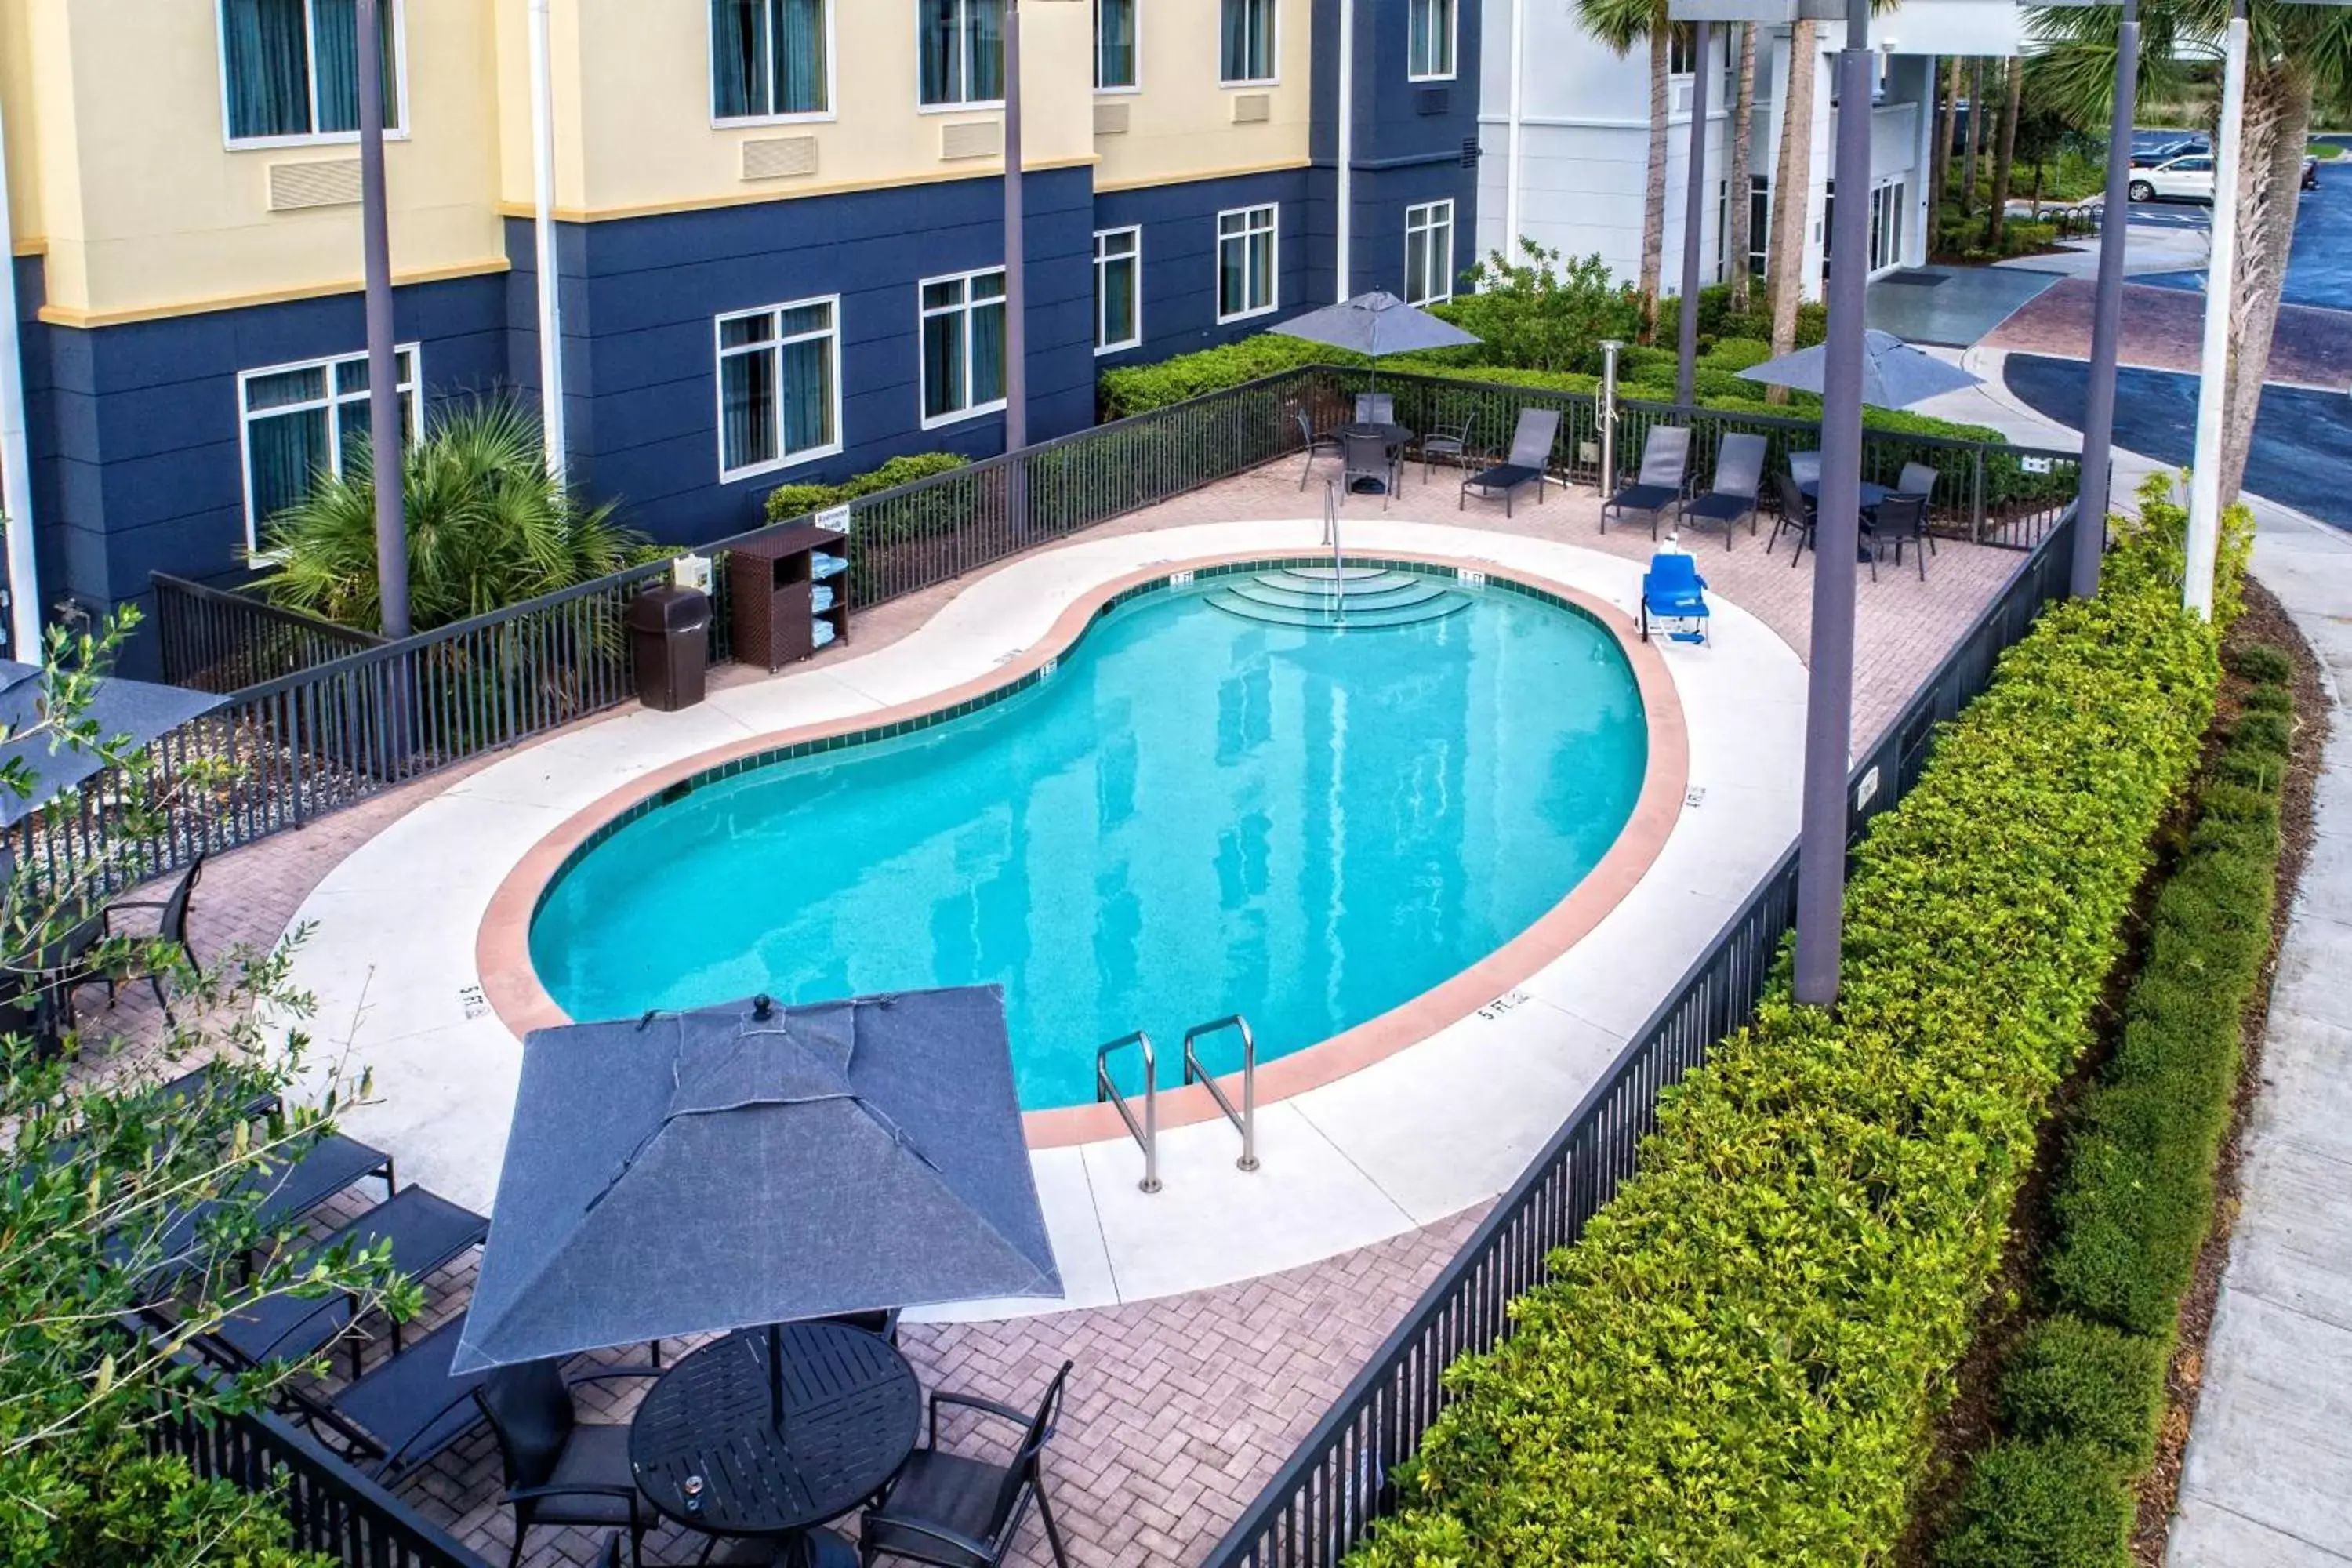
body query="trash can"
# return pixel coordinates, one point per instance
(669, 637)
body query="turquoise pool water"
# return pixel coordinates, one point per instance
(1199, 812)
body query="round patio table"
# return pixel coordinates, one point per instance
(852, 1409)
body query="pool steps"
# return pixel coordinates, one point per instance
(1367, 597)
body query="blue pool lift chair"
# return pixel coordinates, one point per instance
(1672, 590)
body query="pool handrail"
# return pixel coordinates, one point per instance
(1246, 1119)
(1148, 1135)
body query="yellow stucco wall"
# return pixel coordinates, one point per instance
(119, 167)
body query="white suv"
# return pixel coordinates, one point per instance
(2189, 179)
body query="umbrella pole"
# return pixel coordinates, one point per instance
(776, 1378)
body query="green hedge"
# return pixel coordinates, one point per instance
(1738, 1361)
(1140, 388)
(2082, 1397)
(787, 502)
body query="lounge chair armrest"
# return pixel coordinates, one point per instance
(973, 1401)
(980, 1551)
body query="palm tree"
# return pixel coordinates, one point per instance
(2294, 54)
(1784, 257)
(1620, 24)
(488, 527)
(1976, 138)
(2006, 158)
(1947, 121)
(1742, 176)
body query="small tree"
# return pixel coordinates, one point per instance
(104, 1285)
(489, 526)
(1542, 312)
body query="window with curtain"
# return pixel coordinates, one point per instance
(1118, 289)
(961, 49)
(1429, 253)
(1245, 262)
(1248, 41)
(963, 345)
(290, 67)
(768, 58)
(302, 421)
(779, 386)
(1429, 51)
(1115, 64)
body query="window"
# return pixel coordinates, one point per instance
(1886, 205)
(1115, 66)
(1429, 53)
(1759, 222)
(1118, 289)
(962, 48)
(304, 420)
(963, 346)
(1722, 227)
(1245, 262)
(289, 69)
(769, 58)
(1429, 253)
(1248, 52)
(779, 386)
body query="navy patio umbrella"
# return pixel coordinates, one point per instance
(1375, 324)
(138, 711)
(1894, 373)
(754, 1165)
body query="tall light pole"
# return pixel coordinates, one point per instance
(2213, 362)
(2091, 505)
(1694, 217)
(16, 460)
(1016, 292)
(543, 195)
(383, 358)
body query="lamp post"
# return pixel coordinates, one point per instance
(383, 357)
(2213, 361)
(1694, 217)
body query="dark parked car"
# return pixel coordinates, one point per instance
(2148, 157)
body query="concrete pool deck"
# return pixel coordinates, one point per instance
(1403, 1142)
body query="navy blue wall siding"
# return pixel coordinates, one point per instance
(137, 425)
(1179, 257)
(641, 295)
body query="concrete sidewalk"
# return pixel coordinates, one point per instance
(2268, 1479)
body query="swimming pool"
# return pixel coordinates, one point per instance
(1217, 802)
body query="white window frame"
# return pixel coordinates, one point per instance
(1421, 221)
(1273, 273)
(1136, 255)
(923, 314)
(413, 389)
(1135, 86)
(776, 346)
(830, 111)
(955, 106)
(1273, 48)
(399, 132)
(1452, 41)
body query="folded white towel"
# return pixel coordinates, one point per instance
(820, 597)
(821, 633)
(826, 565)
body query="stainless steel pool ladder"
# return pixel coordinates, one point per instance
(1339, 556)
(1147, 1133)
(1246, 1119)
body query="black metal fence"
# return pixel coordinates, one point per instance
(213, 639)
(333, 1508)
(1324, 1501)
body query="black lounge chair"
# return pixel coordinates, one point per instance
(1796, 513)
(560, 1470)
(171, 926)
(1665, 463)
(1897, 518)
(1739, 475)
(406, 1410)
(955, 1512)
(1530, 457)
(425, 1230)
(292, 1189)
(1322, 441)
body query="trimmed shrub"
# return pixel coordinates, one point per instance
(2268, 732)
(2067, 1378)
(2263, 664)
(1140, 388)
(2270, 699)
(2041, 1505)
(1737, 353)
(787, 502)
(1739, 1359)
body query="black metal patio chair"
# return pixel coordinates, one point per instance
(558, 1469)
(1316, 441)
(1920, 479)
(1453, 441)
(1796, 513)
(171, 926)
(1897, 518)
(1530, 459)
(1371, 461)
(1376, 408)
(1666, 464)
(1738, 475)
(956, 1512)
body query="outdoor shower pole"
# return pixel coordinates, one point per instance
(1609, 347)
(382, 359)
(1837, 535)
(1693, 219)
(2107, 318)
(2213, 362)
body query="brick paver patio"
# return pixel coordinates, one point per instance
(1181, 1408)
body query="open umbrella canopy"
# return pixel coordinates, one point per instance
(1894, 373)
(752, 1164)
(138, 710)
(1375, 324)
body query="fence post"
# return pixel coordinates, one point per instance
(1976, 526)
